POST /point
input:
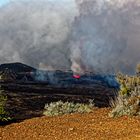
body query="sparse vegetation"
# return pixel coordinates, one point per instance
(3, 113)
(128, 101)
(60, 108)
(138, 70)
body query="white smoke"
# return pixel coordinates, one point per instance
(36, 32)
(84, 35)
(111, 32)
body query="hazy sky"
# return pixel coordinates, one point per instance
(2, 2)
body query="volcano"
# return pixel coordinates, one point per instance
(23, 73)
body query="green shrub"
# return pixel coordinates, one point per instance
(60, 108)
(3, 113)
(128, 100)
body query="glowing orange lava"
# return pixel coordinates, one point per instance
(76, 76)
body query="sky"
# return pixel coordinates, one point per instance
(2, 2)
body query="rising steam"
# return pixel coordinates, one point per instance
(84, 35)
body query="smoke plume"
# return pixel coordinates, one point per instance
(36, 32)
(84, 35)
(107, 33)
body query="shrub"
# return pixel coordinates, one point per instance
(60, 108)
(125, 106)
(128, 100)
(138, 69)
(3, 113)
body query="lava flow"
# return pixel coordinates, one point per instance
(76, 76)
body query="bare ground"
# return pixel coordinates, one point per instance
(89, 126)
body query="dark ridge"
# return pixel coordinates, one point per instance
(17, 67)
(22, 73)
